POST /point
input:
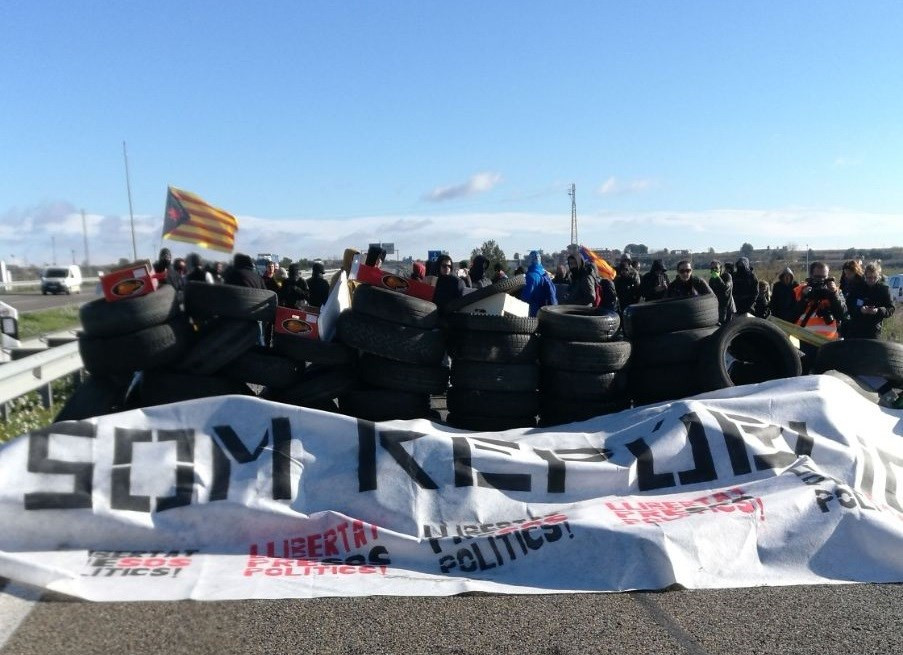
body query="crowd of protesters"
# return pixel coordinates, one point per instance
(853, 308)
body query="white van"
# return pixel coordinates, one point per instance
(895, 282)
(61, 279)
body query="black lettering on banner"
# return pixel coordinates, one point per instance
(281, 458)
(39, 461)
(391, 441)
(502, 481)
(704, 469)
(557, 458)
(890, 481)
(736, 447)
(868, 468)
(123, 450)
(184, 468)
(647, 478)
(366, 458)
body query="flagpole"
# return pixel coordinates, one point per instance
(128, 188)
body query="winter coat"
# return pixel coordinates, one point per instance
(539, 290)
(627, 286)
(723, 287)
(295, 293)
(318, 286)
(654, 278)
(867, 326)
(477, 273)
(582, 288)
(243, 274)
(746, 287)
(695, 286)
(783, 301)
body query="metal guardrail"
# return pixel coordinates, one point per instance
(37, 371)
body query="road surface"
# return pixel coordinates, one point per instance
(33, 301)
(828, 619)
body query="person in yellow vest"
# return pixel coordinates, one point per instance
(820, 307)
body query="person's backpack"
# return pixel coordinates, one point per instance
(597, 299)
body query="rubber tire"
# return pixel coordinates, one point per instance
(507, 285)
(654, 384)
(394, 307)
(600, 357)
(318, 384)
(492, 403)
(681, 347)
(384, 404)
(203, 301)
(581, 385)
(494, 377)
(261, 365)
(775, 350)
(222, 341)
(164, 387)
(862, 357)
(401, 376)
(96, 396)
(101, 318)
(147, 349)
(391, 340)
(496, 347)
(474, 423)
(670, 315)
(492, 323)
(578, 323)
(313, 351)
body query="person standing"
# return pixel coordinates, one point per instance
(477, 273)
(686, 285)
(654, 283)
(869, 303)
(783, 301)
(538, 290)
(746, 286)
(294, 292)
(627, 282)
(448, 285)
(317, 284)
(722, 285)
(269, 278)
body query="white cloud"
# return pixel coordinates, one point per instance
(614, 187)
(479, 183)
(847, 162)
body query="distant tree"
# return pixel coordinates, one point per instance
(123, 262)
(746, 250)
(664, 251)
(492, 252)
(285, 262)
(711, 250)
(849, 253)
(517, 257)
(636, 249)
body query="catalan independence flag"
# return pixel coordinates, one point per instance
(191, 219)
(605, 269)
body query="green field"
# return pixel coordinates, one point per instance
(34, 324)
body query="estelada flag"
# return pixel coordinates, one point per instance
(605, 269)
(191, 219)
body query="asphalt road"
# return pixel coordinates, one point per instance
(34, 300)
(847, 619)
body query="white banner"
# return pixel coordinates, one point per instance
(787, 482)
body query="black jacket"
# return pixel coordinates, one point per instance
(783, 302)
(654, 278)
(695, 286)
(627, 285)
(294, 293)
(867, 326)
(243, 273)
(723, 288)
(746, 288)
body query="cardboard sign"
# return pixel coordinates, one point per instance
(303, 323)
(393, 282)
(136, 279)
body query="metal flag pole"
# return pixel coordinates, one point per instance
(128, 187)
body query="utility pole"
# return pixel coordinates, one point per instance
(128, 187)
(85, 234)
(572, 192)
(53, 247)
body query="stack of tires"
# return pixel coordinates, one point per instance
(494, 372)
(583, 364)
(401, 348)
(666, 337)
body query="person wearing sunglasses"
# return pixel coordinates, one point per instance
(686, 284)
(448, 285)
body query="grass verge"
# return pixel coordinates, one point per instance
(34, 324)
(26, 412)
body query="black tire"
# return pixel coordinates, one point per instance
(147, 349)
(401, 376)
(203, 301)
(492, 323)
(391, 340)
(316, 386)
(653, 384)
(507, 285)
(670, 315)
(492, 403)
(475, 423)
(494, 377)
(313, 351)
(862, 357)
(600, 356)
(680, 347)
(778, 358)
(384, 405)
(260, 365)
(164, 387)
(577, 323)
(221, 342)
(581, 385)
(100, 318)
(496, 347)
(96, 396)
(394, 307)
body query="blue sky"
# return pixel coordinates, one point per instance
(443, 124)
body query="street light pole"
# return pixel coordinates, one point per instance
(128, 187)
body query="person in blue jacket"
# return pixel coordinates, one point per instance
(539, 290)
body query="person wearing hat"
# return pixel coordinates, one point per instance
(746, 286)
(317, 284)
(627, 282)
(654, 284)
(418, 270)
(783, 299)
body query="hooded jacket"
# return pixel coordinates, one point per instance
(627, 284)
(418, 271)
(294, 292)
(477, 273)
(867, 326)
(656, 277)
(538, 290)
(746, 286)
(783, 300)
(317, 285)
(243, 274)
(722, 286)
